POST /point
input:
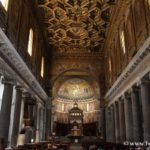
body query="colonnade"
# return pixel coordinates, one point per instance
(29, 116)
(128, 118)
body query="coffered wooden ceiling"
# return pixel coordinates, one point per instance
(75, 26)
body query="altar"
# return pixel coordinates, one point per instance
(76, 122)
(75, 131)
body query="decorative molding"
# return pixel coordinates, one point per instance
(135, 70)
(18, 69)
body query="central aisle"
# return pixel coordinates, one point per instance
(74, 146)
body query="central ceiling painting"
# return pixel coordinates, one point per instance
(75, 25)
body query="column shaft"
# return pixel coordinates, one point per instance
(102, 126)
(128, 119)
(48, 123)
(112, 124)
(16, 120)
(145, 98)
(5, 110)
(38, 125)
(137, 118)
(122, 121)
(108, 125)
(117, 128)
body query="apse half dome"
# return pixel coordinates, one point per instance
(75, 89)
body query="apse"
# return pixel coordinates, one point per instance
(80, 91)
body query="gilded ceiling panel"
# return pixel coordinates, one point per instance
(75, 25)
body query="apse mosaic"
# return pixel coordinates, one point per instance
(75, 89)
(76, 25)
(80, 91)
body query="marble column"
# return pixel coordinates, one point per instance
(6, 109)
(37, 139)
(17, 110)
(28, 117)
(128, 117)
(108, 124)
(117, 127)
(137, 117)
(112, 124)
(122, 121)
(35, 110)
(44, 124)
(145, 98)
(48, 122)
(102, 125)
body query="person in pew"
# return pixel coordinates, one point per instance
(92, 147)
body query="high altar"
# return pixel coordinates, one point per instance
(76, 121)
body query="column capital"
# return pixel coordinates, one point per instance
(127, 95)
(138, 83)
(112, 106)
(144, 81)
(109, 109)
(19, 88)
(121, 99)
(7, 81)
(135, 88)
(116, 102)
(28, 98)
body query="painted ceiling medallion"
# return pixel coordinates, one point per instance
(76, 24)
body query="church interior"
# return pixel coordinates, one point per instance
(74, 74)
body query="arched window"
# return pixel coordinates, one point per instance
(5, 4)
(63, 107)
(122, 41)
(87, 106)
(30, 42)
(42, 67)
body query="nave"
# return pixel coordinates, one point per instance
(74, 74)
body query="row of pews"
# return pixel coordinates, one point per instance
(87, 144)
(98, 144)
(44, 145)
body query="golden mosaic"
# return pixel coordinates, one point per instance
(75, 89)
